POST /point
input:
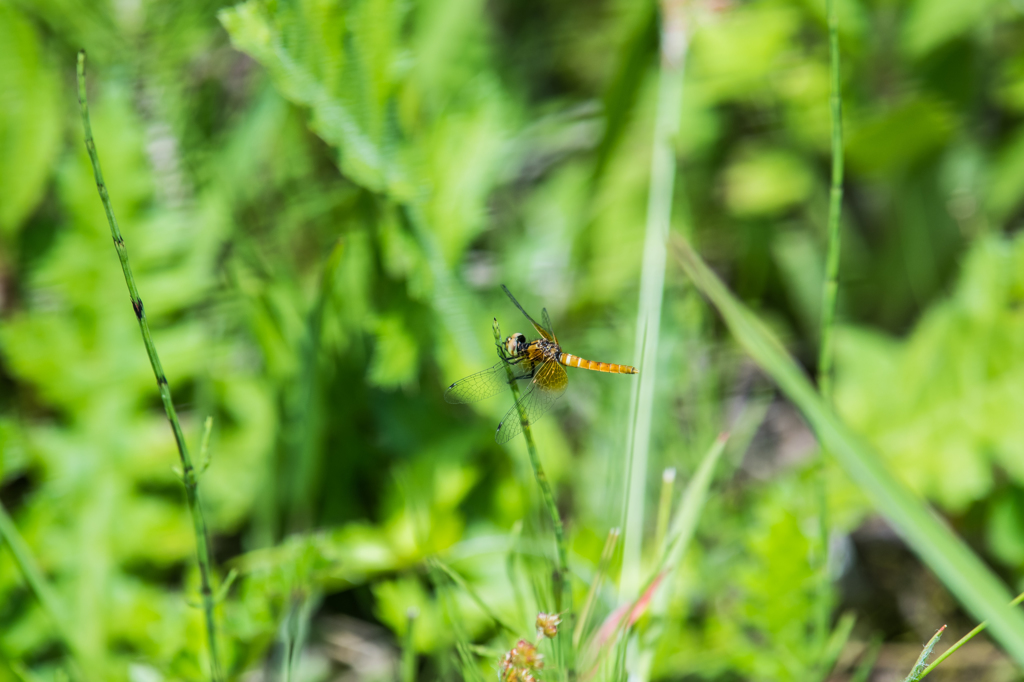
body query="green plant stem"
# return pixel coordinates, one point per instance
(963, 640)
(36, 580)
(563, 587)
(828, 308)
(189, 477)
(668, 480)
(652, 286)
(835, 207)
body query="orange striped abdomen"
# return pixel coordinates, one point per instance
(570, 360)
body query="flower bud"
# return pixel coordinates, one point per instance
(547, 624)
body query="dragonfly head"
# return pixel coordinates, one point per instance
(515, 344)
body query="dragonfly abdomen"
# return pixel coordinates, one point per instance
(570, 360)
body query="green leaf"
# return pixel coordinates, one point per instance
(898, 138)
(766, 182)
(393, 600)
(1006, 189)
(955, 414)
(930, 23)
(766, 33)
(1004, 531)
(802, 266)
(396, 355)
(633, 60)
(30, 118)
(346, 106)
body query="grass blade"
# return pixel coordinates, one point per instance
(458, 580)
(295, 633)
(684, 523)
(674, 42)
(957, 566)
(867, 662)
(668, 480)
(602, 568)
(660, 585)
(834, 646)
(919, 667)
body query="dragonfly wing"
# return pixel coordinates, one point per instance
(540, 330)
(547, 323)
(486, 383)
(547, 386)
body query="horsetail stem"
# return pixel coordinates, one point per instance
(835, 207)
(828, 308)
(563, 585)
(188, 474)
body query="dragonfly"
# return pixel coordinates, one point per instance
(539, 365)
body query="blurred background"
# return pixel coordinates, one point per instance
(320, 200)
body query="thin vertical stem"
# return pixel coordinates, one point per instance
(668, 481)
(189, 476)
(602, 568)
(828, 308)
(674, 44)
(563, 586)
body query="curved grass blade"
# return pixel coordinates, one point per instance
(977, 588)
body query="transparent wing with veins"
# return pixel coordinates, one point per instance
(547, 386)
(547, 323)
(545, 332)
(488, 382)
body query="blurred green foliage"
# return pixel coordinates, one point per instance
(320, 199)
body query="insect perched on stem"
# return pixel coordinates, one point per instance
(538, 363)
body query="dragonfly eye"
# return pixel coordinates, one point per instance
(515, 344)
